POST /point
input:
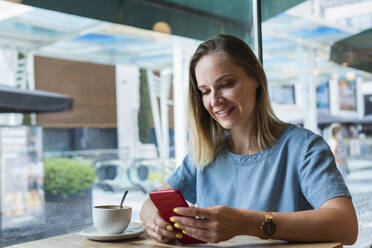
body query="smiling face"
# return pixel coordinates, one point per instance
(228, 93)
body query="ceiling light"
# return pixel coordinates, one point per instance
(350, 75)
(162, 27)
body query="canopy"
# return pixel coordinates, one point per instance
(354, 51)
(366, 120)
(325, 118)
(15, 100)
(192, 18)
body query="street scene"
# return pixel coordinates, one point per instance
(102, 98)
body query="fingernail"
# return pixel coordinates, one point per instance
(172, 219)
(179, 235)
(184, 232)
(175, 210)
(176, 225)
(170, 228)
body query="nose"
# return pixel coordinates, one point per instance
(216, 100)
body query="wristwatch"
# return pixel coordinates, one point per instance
(268, 227)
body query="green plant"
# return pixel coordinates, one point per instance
(26, 120)
(144, 114)
(64, 176)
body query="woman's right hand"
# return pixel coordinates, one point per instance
(159, 229)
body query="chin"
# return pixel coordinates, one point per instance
(226, 125)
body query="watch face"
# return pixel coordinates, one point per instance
(269, 228)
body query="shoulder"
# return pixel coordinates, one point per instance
(187, 160)
(303, 138)
(298, 134)
(189, 164)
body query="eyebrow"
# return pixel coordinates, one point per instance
(218, 79)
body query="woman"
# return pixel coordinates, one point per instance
(337, 149)
(249, 173)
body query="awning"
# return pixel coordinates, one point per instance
(366, 120)
(15, 100)
(354, 51)
(325, 118)
(194, 19)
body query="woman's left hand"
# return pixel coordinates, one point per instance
(220, 223)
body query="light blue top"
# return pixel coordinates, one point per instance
(297, 173)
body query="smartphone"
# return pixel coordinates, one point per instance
(165, 201)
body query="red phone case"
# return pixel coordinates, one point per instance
(165, 201)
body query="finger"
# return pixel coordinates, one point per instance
(160, 222)
(201, 234)
(157, 236)
(162, 227)
(168, 231)
(193, 212)
(150, 224)
(190, 221)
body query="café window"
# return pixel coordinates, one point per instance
(121, 68)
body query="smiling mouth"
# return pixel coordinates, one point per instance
(225, 112)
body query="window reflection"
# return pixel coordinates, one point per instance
(304, 48)
(127, 128)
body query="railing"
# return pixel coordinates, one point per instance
(92, 155)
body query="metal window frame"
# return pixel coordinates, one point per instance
(257, 31)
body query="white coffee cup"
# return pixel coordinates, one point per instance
(111, 219)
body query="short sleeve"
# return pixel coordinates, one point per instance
(184, 179)
(319, 177)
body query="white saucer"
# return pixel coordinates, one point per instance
(133, 230)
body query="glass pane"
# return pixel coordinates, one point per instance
(194, 19)
(106, 114)
(316, 61)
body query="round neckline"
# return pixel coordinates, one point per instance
(238, 159)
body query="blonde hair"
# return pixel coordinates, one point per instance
(206, 134)
(335, 128)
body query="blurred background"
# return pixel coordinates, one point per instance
(93, 97)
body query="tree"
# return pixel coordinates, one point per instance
(144, 113)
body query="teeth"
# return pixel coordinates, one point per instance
(222, 112)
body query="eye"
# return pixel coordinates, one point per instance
(227, 84)
(204, 92)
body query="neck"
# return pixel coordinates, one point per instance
(243, 140)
